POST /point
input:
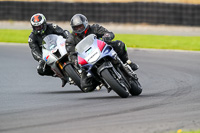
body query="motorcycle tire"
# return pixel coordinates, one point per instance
(73, 74)
(136, 88)
(115, 85)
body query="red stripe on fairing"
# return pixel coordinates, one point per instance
(100, 44)
(81, 61)
(47, 57)
(85, 31)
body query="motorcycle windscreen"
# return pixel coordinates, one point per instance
(61, 45)
(50, 42)
(84, 44)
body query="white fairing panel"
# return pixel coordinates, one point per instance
(53, 48)
(48, 57)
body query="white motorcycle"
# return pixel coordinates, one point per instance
(55, 55)
(102, 63)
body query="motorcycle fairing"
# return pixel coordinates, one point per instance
(89, 54)
(53, 48)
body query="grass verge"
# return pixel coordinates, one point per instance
(15, 36)
(131, 40)
(191, 132)
(180, 131)
(161, 41)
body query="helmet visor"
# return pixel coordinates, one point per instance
(38, 28)
(78, 28)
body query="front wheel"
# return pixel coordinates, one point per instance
(114, 83)
(73, 73)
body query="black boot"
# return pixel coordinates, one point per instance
(88, 84)
(125, 59)
(134, 66)
(63, 82)
(123, 55)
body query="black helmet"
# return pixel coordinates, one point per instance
(79, 23)
(38, 22)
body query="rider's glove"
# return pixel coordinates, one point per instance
(106, 37)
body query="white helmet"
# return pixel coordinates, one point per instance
(38, 22)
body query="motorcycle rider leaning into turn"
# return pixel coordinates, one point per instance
(41, 29)
(81, 29)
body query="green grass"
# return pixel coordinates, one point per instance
(190, 132)
(181, 131)
(16, 36)
(160, 42)
(131, 40)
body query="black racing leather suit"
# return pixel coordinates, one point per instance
(35, 43)
(107, 36)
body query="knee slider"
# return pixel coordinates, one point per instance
(121, 49)
(121, 45)
(89, 89)
(40, 71)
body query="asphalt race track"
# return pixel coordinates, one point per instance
(30, 103)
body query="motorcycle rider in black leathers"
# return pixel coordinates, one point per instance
(81, 29)
(41, 29)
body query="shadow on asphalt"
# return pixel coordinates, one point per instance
(102, 97)
(60, 92)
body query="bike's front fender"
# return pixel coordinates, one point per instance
(105, 65)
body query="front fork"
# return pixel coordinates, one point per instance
(57, 67)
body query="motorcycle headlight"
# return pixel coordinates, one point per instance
(93, 56)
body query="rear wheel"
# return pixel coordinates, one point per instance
(73, 73)
(136, 88)
(114, 83)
